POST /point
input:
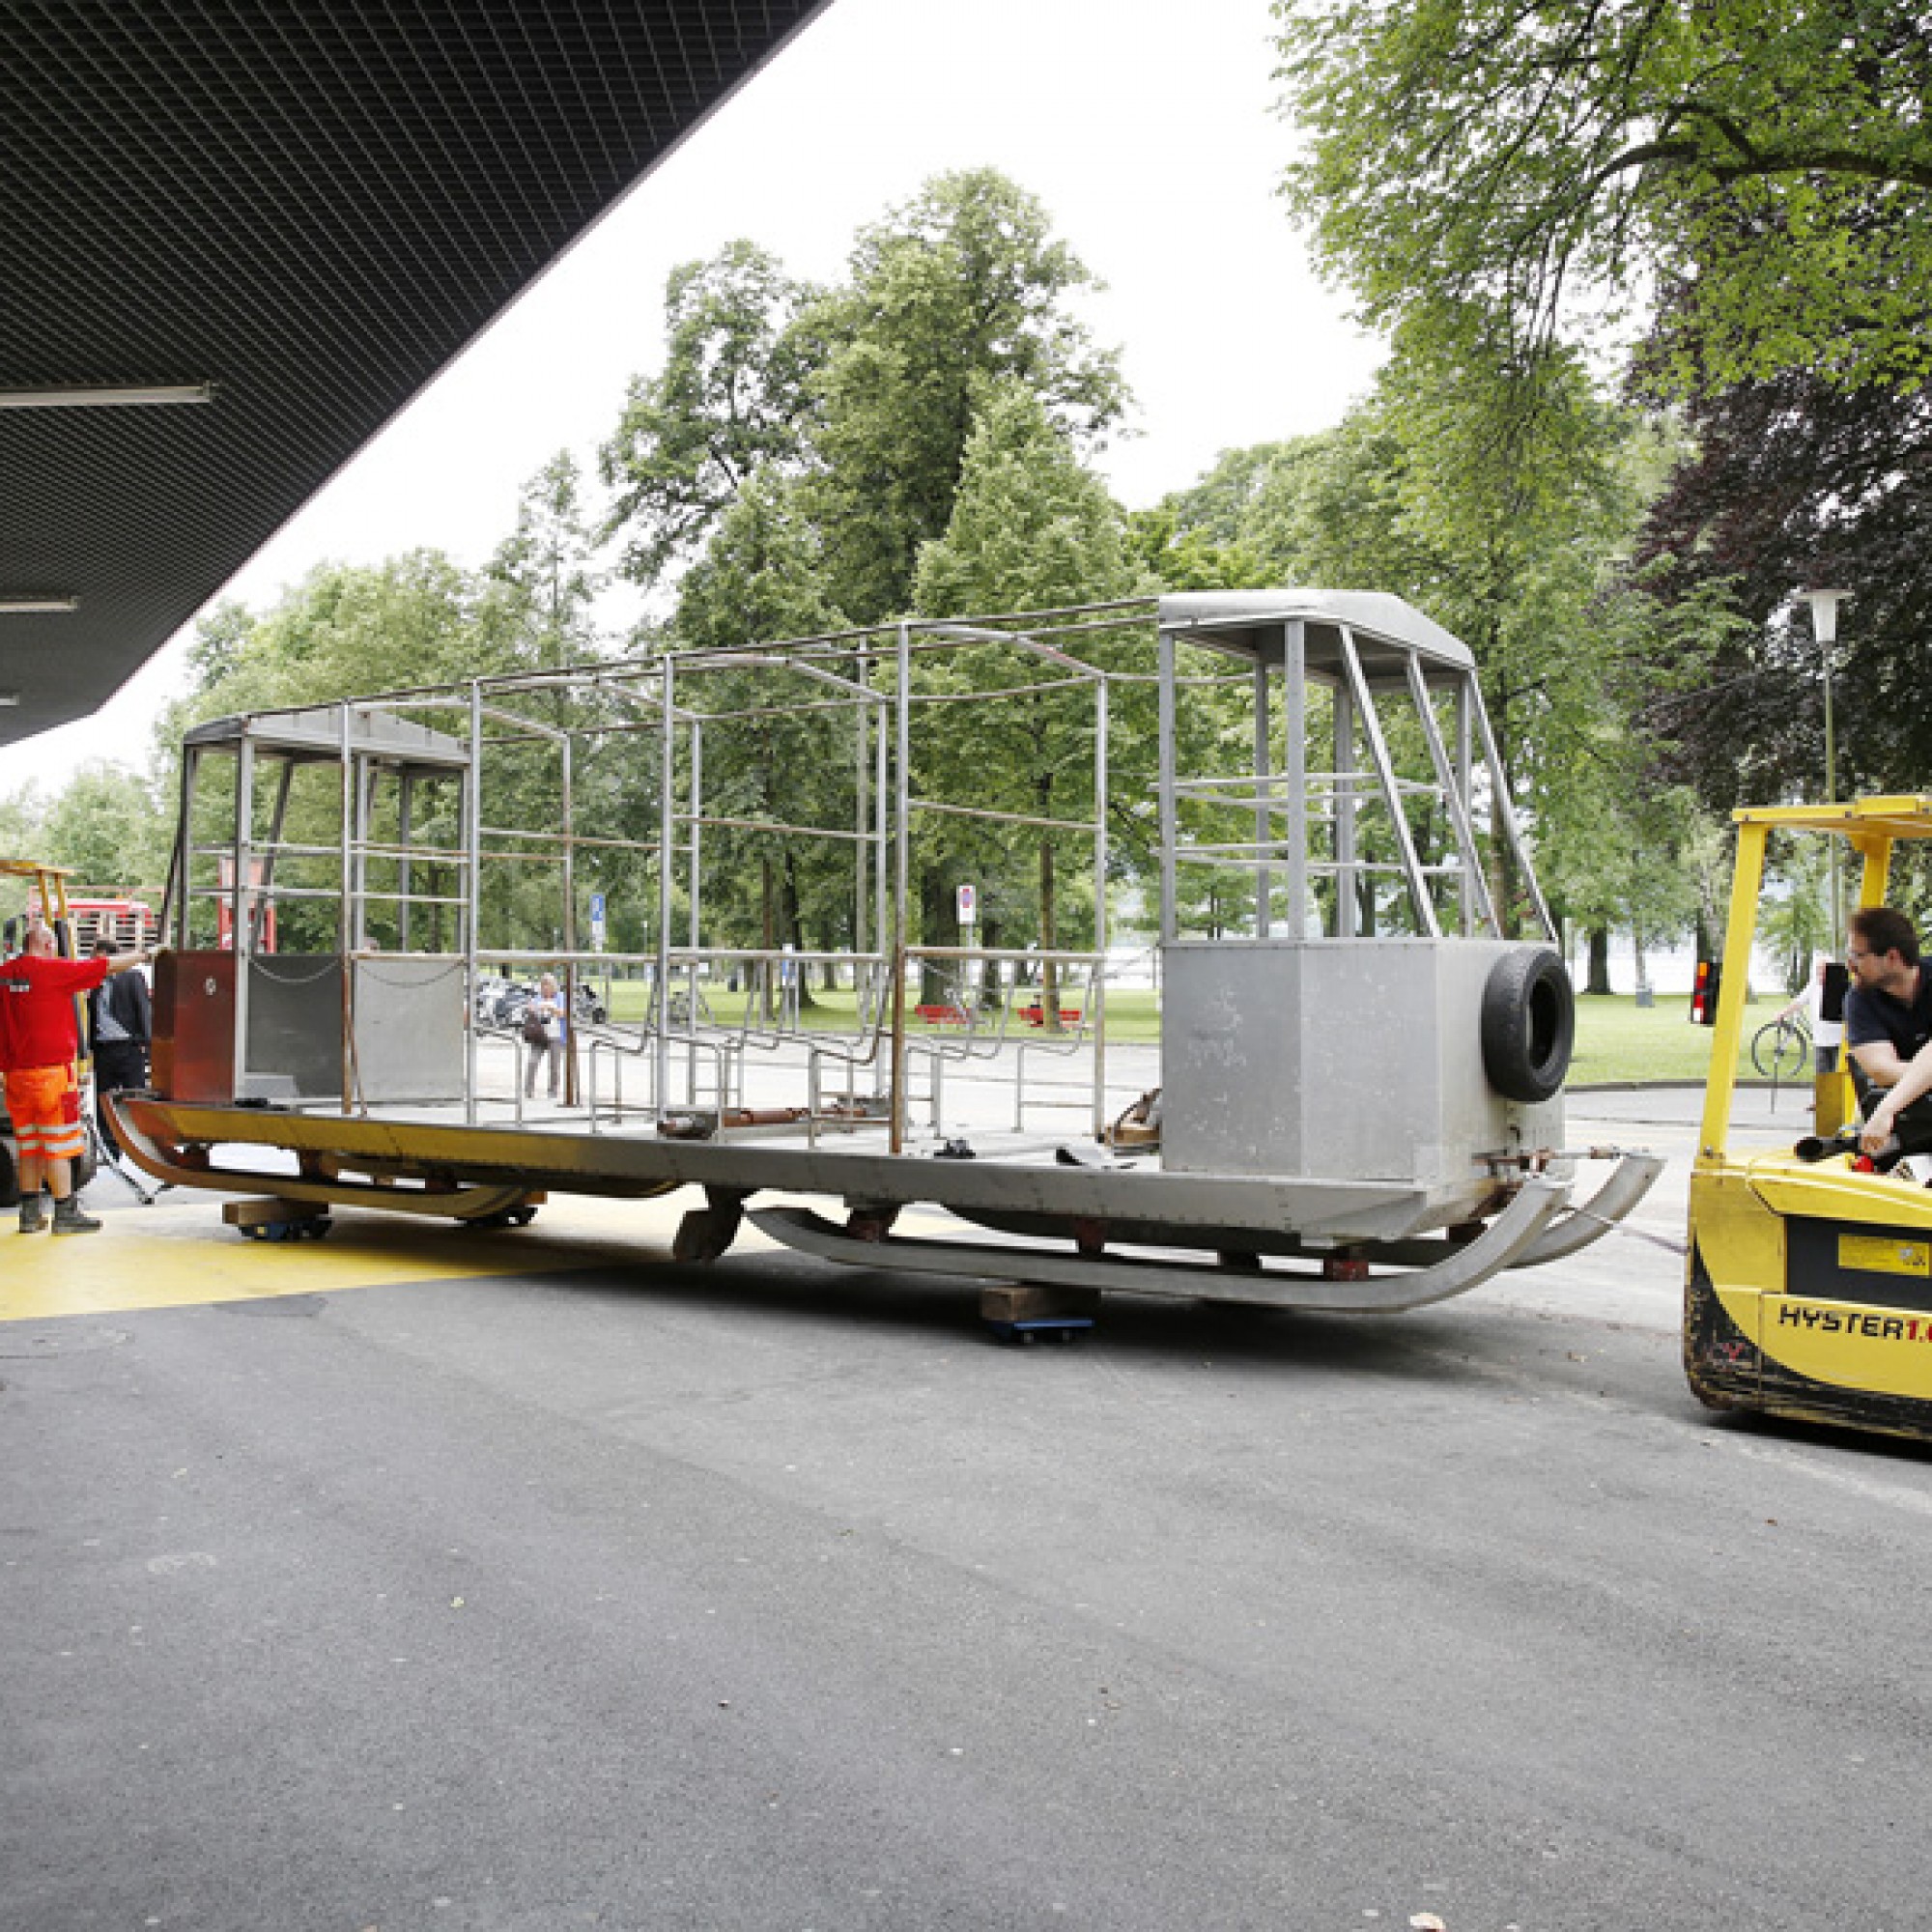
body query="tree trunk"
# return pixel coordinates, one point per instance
(1508, 885)
(1049, 974)
(795, 930)
(989, 976)
(768, 940)
(1599, 980)
(938, 925)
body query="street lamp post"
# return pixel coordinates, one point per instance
(1825, 628)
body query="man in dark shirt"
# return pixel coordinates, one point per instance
(1888, 1022)
(120, 1014)
(1889, 1005)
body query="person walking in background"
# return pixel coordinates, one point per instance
(38, 1044)
(120, 1017)
(545, 1029)
(1816, 1002)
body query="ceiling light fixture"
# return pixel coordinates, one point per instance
(25, 606)
(9, 699)
(101, 398)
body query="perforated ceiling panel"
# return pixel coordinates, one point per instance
(312, 205)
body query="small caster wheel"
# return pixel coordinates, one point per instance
(1065, 1330)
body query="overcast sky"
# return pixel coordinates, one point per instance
(1148, 130)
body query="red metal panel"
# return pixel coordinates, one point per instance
(194, 1052)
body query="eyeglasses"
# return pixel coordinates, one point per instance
(1854, 954)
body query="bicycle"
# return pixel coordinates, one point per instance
(1781, 1049)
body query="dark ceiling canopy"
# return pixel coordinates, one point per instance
(310, 206)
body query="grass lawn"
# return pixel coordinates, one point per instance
(1616, 1038)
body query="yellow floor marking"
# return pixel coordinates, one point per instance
(184, 1254)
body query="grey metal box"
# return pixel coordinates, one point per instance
(1336, 1059)
(410, 1027)
(407, 1042)
(295, 1027)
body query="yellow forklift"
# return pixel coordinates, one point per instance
(1808, 1282)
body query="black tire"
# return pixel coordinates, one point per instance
(1529, 1024)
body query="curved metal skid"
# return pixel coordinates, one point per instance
(1462, 1269)
(456, 1202)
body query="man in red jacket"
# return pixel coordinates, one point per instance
(38, 1042)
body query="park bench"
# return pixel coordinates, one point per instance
(1035, 1015)
(943, 1015)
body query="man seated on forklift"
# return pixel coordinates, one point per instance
(1888, 1025)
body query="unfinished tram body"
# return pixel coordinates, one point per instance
(853, 925)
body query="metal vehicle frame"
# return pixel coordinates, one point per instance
(1360, 828)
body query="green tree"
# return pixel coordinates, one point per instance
(1494, 174)
(106, 827)
(1243, 526)
(865, 391)
(23, 813)
(535, 610)
(343, 631)
(1796, 921)
(540, 606)
(1622, 863)
(1030, 530)
(811, 498)
(1179, 558)
(762, 578)
(729, 401)
(1515, 551)
(1794, 483)
(963, 288)
(219, 639)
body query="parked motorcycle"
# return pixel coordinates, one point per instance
(510, 998)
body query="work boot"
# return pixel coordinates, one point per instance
(69, 1219)
(31, 1218)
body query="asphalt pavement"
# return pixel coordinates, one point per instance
(534, 1581)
